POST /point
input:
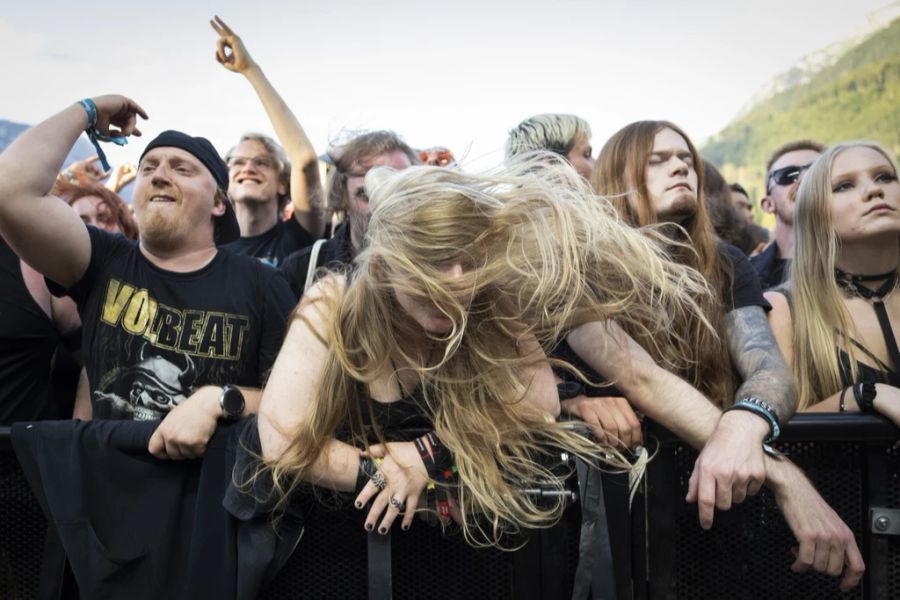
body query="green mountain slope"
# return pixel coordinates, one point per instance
(856, 97)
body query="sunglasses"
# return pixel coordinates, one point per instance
(787, 175)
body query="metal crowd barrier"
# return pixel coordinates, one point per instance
(661, 552)
(854, 462)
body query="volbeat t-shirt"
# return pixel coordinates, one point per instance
(273, 245)
(153, 336)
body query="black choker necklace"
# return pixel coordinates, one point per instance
(850, 284)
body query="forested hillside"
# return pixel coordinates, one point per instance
(856, 97)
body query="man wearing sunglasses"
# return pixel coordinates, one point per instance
(784, 169)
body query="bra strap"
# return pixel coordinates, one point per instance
(887, 331)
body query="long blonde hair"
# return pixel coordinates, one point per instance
(821, 322)
(541, 255)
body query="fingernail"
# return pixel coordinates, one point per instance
(358, 504)
(368, 527)
(406, 528)
(382, 530)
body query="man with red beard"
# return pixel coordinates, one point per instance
(171, 324)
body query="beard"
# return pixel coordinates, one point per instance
(160, 230)
(681, 207)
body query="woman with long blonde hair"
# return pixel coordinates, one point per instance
(463, 284)
(833, 319)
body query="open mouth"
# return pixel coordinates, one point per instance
(163, 199)
(248, 180)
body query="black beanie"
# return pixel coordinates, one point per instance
(227, 228)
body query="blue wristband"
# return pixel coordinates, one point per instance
(95, 136)
(91, 109)
(761, 408)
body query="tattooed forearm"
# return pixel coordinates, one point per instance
(755, 355)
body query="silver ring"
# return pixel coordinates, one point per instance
(378, 480)
(398, 504)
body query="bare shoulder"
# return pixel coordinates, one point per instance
(321, 300)
(781, 323)
(780, 315)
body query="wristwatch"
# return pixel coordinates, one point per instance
(231, 402)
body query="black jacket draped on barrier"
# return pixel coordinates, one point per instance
(138, 527)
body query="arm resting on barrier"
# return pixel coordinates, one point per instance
(826, 544)
(755, 354)
(288, 402)
(732, 469)
(665, 398)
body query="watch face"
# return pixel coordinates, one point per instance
(232, 401)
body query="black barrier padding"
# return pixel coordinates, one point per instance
(22, 531)
(330, 562)
(746, 554)
(892, 497)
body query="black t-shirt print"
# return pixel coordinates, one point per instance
(153, 336)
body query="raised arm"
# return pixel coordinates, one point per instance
(42, 229)
(306, 187)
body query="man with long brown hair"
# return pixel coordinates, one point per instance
(651, 172)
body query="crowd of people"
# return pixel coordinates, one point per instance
(404, 292)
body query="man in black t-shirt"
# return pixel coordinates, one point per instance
(168, 320)
(263, 177)
(784, 170)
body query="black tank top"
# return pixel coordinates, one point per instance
(864, 373)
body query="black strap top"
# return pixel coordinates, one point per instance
(881, 373)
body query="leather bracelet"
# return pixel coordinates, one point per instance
(760, 408)
(864, 394)
(841, 406)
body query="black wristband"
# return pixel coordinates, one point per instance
(841, 406)
(864, 394)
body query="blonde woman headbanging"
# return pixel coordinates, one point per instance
(464, 282)
(834, 320)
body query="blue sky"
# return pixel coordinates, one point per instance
(459, 74)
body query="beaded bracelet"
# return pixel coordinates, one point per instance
(761, 408)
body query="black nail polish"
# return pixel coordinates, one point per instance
(382, 530)
(406, 528)
(358, 504)
(368, 527)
